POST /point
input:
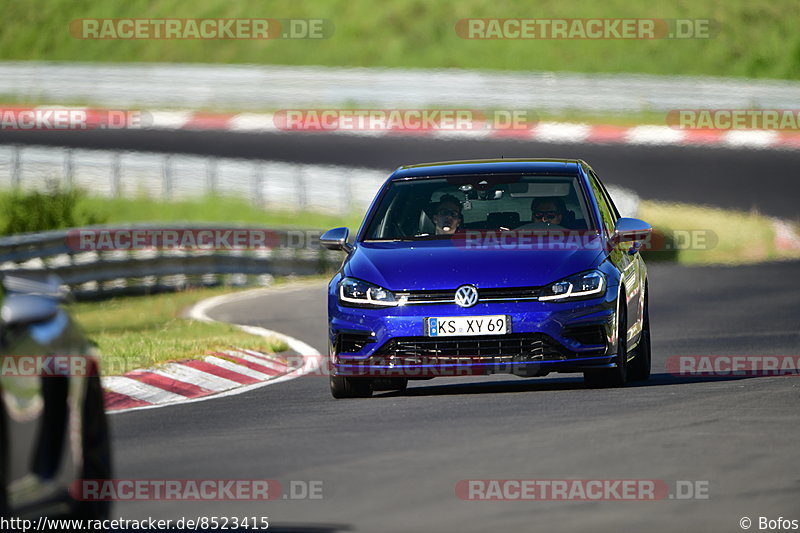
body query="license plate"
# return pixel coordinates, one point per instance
(452, 326)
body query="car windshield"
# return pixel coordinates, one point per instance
(437, 207)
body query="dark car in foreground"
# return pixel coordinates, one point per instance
(53, 427)
(518, 266)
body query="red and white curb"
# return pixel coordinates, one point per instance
(195, 378)
(212, 376)
(555, 132)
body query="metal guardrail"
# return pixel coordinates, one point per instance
(331, 189)
(104, 273)
(279, 185)
(258, 87)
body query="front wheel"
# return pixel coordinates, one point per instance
(617, 376)
(640, 366)
(344, 387)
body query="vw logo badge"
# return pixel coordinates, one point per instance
(466, 295)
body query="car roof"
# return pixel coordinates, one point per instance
(490, 166)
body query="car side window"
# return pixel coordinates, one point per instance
(607, 211)
(608, 198)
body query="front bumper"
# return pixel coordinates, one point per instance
(545, 337)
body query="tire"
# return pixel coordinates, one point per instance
(639, 369)
(618, 376)
(344, 387)
(96, 449)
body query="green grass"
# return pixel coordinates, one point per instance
(142, 331)
(221, 209)
(756, 39)
(227, 209)
(728, 237)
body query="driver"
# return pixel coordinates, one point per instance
(548, 209)
(447, 215)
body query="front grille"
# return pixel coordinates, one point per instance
(489, 348)
(414, 297)
(504, 294)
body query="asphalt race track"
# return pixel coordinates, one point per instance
(391, 463)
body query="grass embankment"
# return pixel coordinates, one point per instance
(756, 40)
(210, 209)
(709, 235)
(142, 331)
(221, 209)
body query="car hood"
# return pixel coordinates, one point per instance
(436, 265)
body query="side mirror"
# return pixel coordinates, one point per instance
(631, 229)
(22, 309)
(336, 239)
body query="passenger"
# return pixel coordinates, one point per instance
(447, 215)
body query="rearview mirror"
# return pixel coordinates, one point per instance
(336, 239)
(631, 229)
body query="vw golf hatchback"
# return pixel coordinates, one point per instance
(464, 268)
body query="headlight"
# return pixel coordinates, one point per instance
(357, 293)
(577, 286)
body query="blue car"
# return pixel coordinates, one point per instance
(464, 268)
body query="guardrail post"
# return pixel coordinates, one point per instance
(301, 188)
(258, 184)
(211, 176)
(346, 195)
(68, 177)
(166, 179)
(115, 175)
(16, 167)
